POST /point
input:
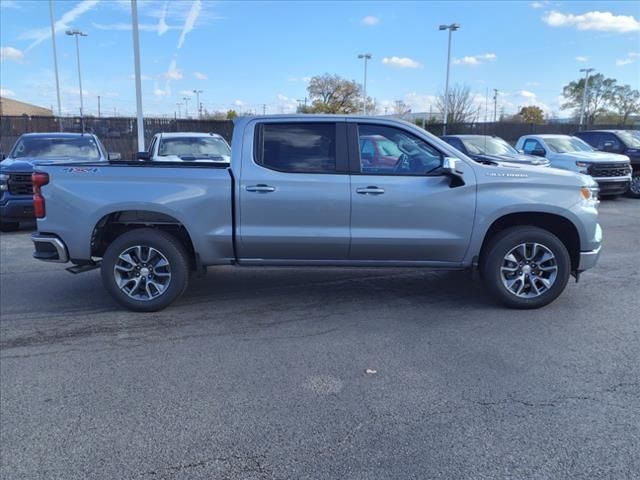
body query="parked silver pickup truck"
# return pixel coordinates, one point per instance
(300, 192)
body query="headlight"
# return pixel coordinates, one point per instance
(590, 195)
(4, 177)
(583, 166)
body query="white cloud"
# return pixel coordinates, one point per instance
(186, 93)
(160, 92)
(299, 79)
(39, 35)
(599, 21)
(401, 62)
(190, 21)
(200, 75)
(527, 94)
(143, 27)
(370, 20)
(536, 4)
(162, 22)
(631, 57)
(582, 58)
(5, 92)
(475, 59)
(10, 53)
(173, 73)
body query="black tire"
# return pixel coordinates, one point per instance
(9, 226)
(169, 247)
(634, 188)
(502, 244)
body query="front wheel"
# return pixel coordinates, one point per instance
(145, 269)
(526, 267)
(634, 188)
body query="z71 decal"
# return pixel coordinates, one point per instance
(81, 170)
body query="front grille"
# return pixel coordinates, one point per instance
(609, 170)
(20, 184)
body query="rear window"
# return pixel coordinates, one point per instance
(80, 148)
(297, 147)
(194, 148)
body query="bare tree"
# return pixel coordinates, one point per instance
(460, 105)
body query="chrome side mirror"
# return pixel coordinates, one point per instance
(452, 167)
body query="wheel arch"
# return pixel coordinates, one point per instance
(113, 224)
(560, 226)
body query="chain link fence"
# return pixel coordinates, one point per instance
(120, 134)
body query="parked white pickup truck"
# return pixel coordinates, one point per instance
(611, 170)
(299, 192)
(187, 146)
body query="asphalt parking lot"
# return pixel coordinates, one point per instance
(262, 373)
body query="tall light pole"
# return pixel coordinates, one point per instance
(366, 57)
(198, 92)
(586, 71)
(495, 105)
(77, 33)
(186, 106)
(136, 60)
(55, 60)
(452, 28)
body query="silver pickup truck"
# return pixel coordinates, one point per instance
(301, 190)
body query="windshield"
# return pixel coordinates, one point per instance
(78, 148)
(210, 148)
(567, 144)
(488, 146)
(631, 139)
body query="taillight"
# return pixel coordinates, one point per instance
(39, 179)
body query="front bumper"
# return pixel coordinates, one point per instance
(589, 259)
(613, 186)
(16, 209)
(49, 248)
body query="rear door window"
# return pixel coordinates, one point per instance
(297, 147)
(530, 145)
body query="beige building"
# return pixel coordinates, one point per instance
(14, 108)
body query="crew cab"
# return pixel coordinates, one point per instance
(187, 146)
(610, 170)
(16, 195)
(299, 192)
(625, 142)
(491, 149)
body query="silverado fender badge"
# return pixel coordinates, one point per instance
(81, 170)
(494, 174)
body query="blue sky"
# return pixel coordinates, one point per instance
(246, 54)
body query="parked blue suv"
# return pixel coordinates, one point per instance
(16, 196)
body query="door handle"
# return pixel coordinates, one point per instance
(261, 188)
(370, 190)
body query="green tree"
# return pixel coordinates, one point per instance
(231, 114)
(532, 114)
(334, 94)
(599, 96)
(625, 101)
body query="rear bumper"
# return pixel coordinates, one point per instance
(15, 209)
(49, 248)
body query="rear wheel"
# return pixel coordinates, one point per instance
(145, 269)
(526, 267)
(634, 188)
